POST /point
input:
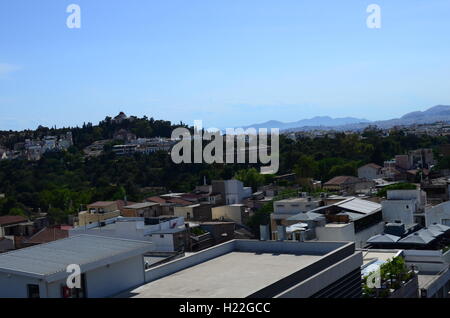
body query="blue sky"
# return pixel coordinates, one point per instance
(227, 62)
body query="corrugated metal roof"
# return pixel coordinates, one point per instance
(360, 206)
(11, 219)
(306, 216)
(439, 227)
(352, 216)
(420, 237)
(53, 257)
(383, 238)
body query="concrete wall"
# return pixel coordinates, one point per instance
(402, 210)
(232, 191)
(101, 282)
(15, 286)
(85, 218)
(426, 261)
(188, 261)
(346, 233)
(369, 173)
(118, 277)
(361, 237)
(162, 242)
(308, 248)
(324, 278)
(183, 211)
(230, 212)
(6, 243)
(338, 232)
(293, 207)
(409, 290)
(418, 195)
(446, 257)
(438, 214)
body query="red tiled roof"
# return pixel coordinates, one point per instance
(11, 219)
(341, 180)
(121, 203)
(180, 201)
(48, 234)
(156, 199)
(372, 165)
(101, 203)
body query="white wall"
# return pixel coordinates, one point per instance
(162, 244)
(294, 206)
(418, 195)
(402, 210)
(101, 282)
(232, 212)
(362, 236)
(368, 173)
(438, 214)
(346, 233)
(106, 282)
(15, 286)
(235, 192)
(339, 233)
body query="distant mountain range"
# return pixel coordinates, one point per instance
(312, 122)
(431, 115)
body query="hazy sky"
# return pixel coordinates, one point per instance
(227, 62)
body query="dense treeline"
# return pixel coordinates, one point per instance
(88, 133)
(61, 183)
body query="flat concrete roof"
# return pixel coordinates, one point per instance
(235, 274)
(298, 200)
(381, 255)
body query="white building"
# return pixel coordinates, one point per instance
(108, 266)
(166, 234)
(370, 171)
(350, 220)
(439, 214)
(403, 205)
(233, 212)
(232, 191)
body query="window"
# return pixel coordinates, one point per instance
(161, 236)
(446, 222)
(33, 291)
(75, 292)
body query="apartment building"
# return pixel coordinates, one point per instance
(98, 212)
